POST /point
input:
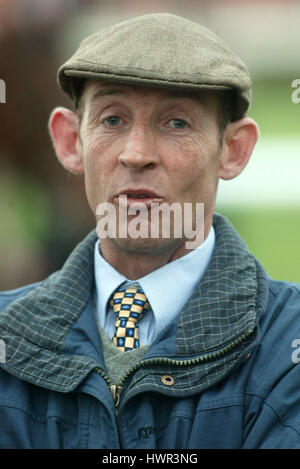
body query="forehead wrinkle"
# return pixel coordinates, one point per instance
(116, 88)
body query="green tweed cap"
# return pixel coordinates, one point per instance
(162, 50)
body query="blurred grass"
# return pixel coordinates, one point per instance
(273, 109)
(272, 235)
(24, 211)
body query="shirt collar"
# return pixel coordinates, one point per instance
(158, 286)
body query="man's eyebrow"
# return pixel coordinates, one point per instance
(106, 92)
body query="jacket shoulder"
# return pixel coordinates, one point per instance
(272, 391)
(283, 306)
(7, 297)
(279, 329)
(279, 287)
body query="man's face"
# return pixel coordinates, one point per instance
(151, 144)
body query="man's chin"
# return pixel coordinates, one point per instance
(153, 246)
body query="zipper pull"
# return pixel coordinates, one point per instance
(116, 393)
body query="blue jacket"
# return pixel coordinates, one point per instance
(225, 374)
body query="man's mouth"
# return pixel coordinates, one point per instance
(132, 196)
(138, 196)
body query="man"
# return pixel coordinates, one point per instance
(141, 342)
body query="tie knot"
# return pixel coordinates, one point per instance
(129, 304)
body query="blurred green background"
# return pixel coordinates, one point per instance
(43, 209)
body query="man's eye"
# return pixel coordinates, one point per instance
(178, 123)
(112, 120)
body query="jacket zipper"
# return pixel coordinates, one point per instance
(116, 390)
(116, 394)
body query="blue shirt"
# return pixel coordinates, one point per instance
(167, 288)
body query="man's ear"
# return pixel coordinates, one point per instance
(63, 128)
(240, 138)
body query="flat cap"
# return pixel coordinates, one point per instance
(160, 49)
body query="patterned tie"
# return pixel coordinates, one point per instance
(129, 304)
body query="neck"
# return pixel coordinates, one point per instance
(136, 261)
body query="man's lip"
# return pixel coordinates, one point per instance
(134, 197)
(140, 194)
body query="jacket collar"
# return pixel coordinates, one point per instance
(35, 326)
(227, 302)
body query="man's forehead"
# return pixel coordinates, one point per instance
(97, 88)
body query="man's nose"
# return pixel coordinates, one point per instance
(140, 150)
